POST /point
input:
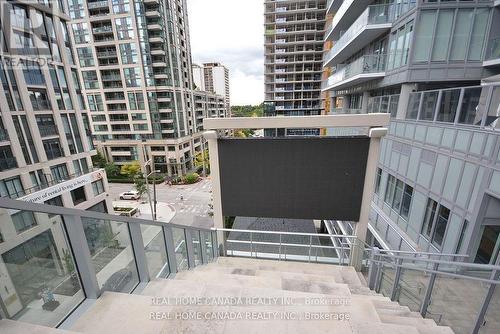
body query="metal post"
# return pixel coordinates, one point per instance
(341, 252)
(190, 248)
(397, 277)
(310, 243)
(81, 254)
(251, 245)
(280, 249)
(428, 292)
(380, 272)
(154, 195)
(215, 244)
(486, 301)
(139, 252)
(170, 247)
(372, 269)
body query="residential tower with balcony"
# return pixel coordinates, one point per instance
(135, 60)
(433, 65)
(293, 58)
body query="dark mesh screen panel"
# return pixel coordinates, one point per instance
(303, 178)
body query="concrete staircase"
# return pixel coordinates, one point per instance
(237, 295)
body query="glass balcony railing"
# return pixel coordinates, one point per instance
(468, 106)
(373, 15)
(493, 49)
(363, 65)
(97, 4)
(82, 254)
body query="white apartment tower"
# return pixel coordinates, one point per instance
(293, 60)
(135, 60)
(45, 135)
(214, 78)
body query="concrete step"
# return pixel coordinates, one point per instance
(19, 327)
(127, 314)
(275, 282)
(346, 274)
(402, 312)
(407, 321)
(360, 309)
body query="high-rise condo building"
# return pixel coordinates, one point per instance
(135, 61)
(214, 78)
(45, 135)
(45, 150)
(294, 32)
(433, 65)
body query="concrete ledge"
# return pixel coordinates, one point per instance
(298, 122)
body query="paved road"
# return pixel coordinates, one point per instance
(192, 210)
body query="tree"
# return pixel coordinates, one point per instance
(111, 169)
(200, 157)
(98, 160)
(140, 186)
(247, 111)
(131, 170)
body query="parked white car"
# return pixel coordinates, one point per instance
(130, 195)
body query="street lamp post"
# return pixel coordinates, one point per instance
(154, 191)
(153, 203)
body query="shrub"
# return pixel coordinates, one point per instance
(191, 178)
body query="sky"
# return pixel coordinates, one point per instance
(231, 32)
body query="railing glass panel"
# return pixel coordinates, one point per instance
(111, 253)
(180, 248)
(386, 281)
(494, 49)
(209, 249)
(195, 236)
(456, 303)
(38, 275)
(492, 318)
(156, 253)
(411, 288)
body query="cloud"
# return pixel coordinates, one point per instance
(231, 32)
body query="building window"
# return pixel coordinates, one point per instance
(377, 180)
(95, 102)
(23, 221)
(90, 79)
(443, 35)
(462, 236)
(128, 53)
(136, 101)
(11, 187)
(39, 99)
(448, 106)
(132, 77)
(32, 73)
(85, 57)
(434, 226)
(56, 201)
(124, 28)
(7, 159)
(53, 149)
(398, 196)
(423, 38)
(59, 172)
(78, 195)
(98, 187)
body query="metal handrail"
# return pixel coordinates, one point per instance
(443, 262)
(285, 233)
(422, 253)
(19, 205)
